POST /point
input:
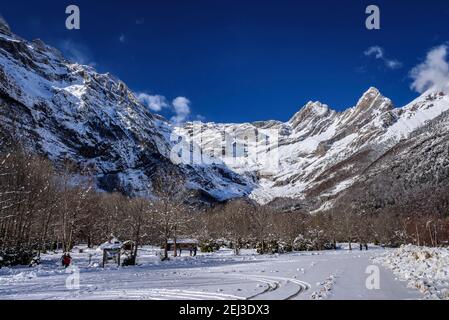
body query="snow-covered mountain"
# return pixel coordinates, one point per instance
(323, 152)
(68, 111)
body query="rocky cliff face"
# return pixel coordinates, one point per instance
(68, 111)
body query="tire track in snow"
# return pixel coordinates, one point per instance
(274, 283)
(168, 293)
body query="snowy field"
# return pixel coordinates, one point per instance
(219, 276)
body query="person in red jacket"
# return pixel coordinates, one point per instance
(66, 260)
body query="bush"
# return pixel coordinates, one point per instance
(267, 247)
(312, 241)
(273, 247)
(209, 246)
(285, 247)
(129, 260)
(10, 257)
(35, 262)
(302, 243)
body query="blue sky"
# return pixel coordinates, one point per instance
(244, 60)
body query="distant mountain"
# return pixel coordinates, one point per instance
(323, 152)
(68, 111)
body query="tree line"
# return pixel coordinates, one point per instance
(43, 208)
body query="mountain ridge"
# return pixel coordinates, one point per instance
(64, 110)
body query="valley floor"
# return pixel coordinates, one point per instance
(337, 274)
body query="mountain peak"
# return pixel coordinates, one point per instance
(372, 91)
(373, 99)
(316, 107)
(370, 94)
(312, 110)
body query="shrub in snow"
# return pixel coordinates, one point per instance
(273, 247)
(128, 260)
(209, 246)
(398, 238)
(267, 247)
(35, 262)
(313, 240)
(285, 247)
(302, 244)
(12, 257)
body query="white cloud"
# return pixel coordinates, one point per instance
(76, 52)
(122, 38)
(379, 54)
(433, 73)
(154, 102)
(377, 51)
(181, 106)
(393, 64)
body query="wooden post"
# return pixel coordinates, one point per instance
(175, 248)
(104, 257)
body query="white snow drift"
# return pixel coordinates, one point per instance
(426, 269)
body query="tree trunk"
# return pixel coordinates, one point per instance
(175, 248)
(237, 247)
(166, 250)
(431, 236)
(417, 234)
(436, 236)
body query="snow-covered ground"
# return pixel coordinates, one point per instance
(337, 274)
(425, 269)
